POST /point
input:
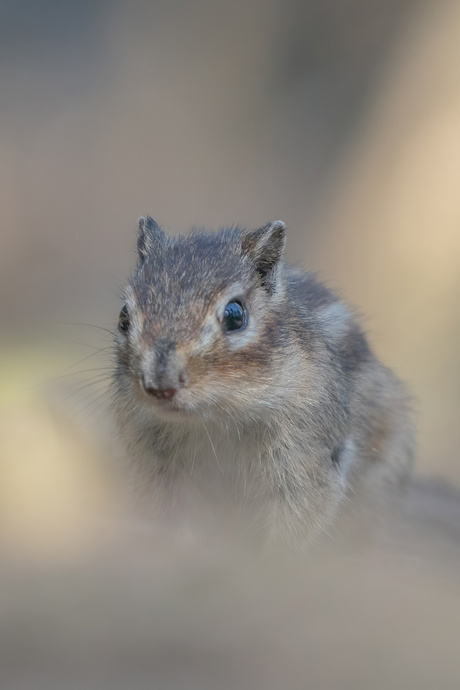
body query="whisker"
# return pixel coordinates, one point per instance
(96, 406)
(79, 342)
(213, 449)
(93, 354)
(89, 325)
(95, 385)
(105, 371)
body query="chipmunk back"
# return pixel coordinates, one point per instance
(238, 376)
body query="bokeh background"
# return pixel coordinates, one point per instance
(341, 117)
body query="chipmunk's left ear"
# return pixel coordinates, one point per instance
(266, 246)
(150, 236)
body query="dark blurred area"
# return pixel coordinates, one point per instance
(340, 117)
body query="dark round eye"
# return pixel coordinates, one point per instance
(234, 316)
(123, 320)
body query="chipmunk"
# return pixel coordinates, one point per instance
(239, 373)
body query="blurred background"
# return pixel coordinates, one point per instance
(341, 117)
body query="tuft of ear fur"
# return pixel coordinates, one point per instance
(149, 236)
(265, 246)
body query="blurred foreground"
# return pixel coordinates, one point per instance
(145, 609)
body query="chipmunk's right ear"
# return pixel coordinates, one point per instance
(149, 236)
(266, 246)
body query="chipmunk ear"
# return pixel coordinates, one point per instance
(266, 246)
(149, 236)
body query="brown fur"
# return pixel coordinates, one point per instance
(286, 417)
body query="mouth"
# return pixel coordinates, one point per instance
(169, 408)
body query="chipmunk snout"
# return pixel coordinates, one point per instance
(161, 394)
(163, 371)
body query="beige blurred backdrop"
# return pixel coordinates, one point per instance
(341, 117)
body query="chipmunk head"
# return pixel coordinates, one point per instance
(198, 331)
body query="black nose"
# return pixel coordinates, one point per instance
(161, 393)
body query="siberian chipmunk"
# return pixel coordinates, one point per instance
(238, 373)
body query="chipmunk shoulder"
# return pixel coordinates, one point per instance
(238, 373)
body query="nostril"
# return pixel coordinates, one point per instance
(149, 390)
(160, 393)
(182, 380)
(167, 393)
